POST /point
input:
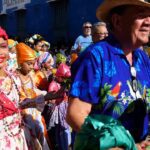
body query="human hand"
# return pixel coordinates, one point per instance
(54, 95)
(143, 145)
(79, 48)
(51, 101)
(27, 103)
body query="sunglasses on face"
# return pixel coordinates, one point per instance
(87, 26)
(102, 34)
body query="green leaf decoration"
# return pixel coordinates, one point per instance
(148, 92)
(118, 108)
(103, 94)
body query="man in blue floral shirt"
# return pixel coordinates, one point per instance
(112, 77)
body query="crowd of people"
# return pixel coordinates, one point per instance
(94, 97)
(35, 80)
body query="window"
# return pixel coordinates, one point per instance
(21, 14)
(60, 9)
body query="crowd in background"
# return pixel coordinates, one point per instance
(41, 75)
(36, 78)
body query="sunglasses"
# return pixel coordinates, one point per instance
(134, 82)
(87, 26)
(102, 34)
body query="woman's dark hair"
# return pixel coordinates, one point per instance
(36, 41)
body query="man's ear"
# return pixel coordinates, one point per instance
(116, 22)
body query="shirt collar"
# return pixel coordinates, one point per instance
(118, 50)
(116, 45)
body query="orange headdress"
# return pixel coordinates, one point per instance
(24, 53)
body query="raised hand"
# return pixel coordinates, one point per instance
(55, 95)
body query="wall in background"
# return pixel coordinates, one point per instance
(56, 20)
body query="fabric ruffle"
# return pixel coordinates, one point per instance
(56, 114)
(101, 132)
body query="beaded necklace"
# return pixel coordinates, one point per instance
(6, 86)
(24, 83)
(15, 117)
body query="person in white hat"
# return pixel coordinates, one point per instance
(112, 77)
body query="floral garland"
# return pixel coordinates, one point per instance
(16, 115)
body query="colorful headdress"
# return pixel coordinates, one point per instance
(3, 34)
(12, 43)
(63, 71)
(46, 43)
(43, 58)
(24, 53)
(34, 37)
(60, 58)
(53, 87)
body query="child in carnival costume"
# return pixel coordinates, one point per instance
(42, 69)
(55, 114)
(29, 93)
(35, 42)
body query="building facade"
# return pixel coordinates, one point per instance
(55, 20)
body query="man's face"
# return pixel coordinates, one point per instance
(87, 29)
(135, 25)
(99, 33)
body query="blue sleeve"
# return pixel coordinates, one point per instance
(87, 74)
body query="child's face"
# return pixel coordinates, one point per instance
(44, 48)
(38, 46)
(13, 49)
(47, 65)
(27, 66)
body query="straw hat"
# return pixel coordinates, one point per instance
(104, 9)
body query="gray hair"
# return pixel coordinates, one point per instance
(84, 24)
(99, 24)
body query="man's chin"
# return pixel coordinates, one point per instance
(145, 41)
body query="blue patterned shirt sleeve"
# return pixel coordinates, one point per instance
(87, 77)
